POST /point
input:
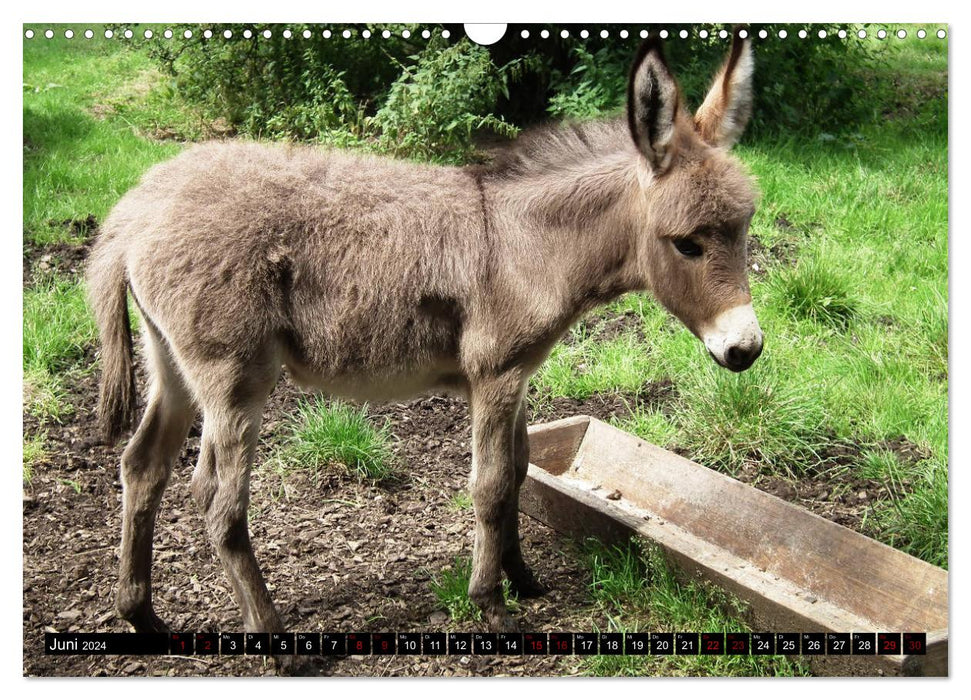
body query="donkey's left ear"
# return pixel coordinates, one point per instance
(722, 117)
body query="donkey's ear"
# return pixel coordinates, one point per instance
(722, 117)
(652, 106)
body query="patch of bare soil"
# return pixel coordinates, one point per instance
(762, 257)
(63, 258)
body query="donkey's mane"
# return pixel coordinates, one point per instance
(548, 148)
(567, 173)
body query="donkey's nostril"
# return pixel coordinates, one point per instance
(739, 358)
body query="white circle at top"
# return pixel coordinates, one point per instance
(485, 34)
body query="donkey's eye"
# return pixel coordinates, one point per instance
(687, 247)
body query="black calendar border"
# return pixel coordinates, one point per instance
(648, 643)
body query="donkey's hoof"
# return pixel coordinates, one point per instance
(148, 623)
(527, 586)
(503, 623)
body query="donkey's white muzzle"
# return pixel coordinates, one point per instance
(734, 338)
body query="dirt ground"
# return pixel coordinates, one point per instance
(338, 555)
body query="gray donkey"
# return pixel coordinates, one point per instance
(374, 279)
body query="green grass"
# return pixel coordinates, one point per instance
(637, 590)
(451, 588)
(813, 290)
(78, 159)
(460, 500)
(58, 330)
(34, 453)
(322, 434)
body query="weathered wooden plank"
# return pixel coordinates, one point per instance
(799, 571)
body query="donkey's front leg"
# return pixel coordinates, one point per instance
(495, 404)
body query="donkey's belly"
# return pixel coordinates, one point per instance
(440, 378)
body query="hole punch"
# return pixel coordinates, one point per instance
(487, 34)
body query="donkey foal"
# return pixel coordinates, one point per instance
(374, 279)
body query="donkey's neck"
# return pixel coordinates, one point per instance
(566, 231)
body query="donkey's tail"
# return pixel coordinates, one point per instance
(108, 293)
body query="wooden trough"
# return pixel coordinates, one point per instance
(798, 572)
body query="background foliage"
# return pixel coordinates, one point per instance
(427, 99)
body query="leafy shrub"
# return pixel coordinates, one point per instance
(436, 104)
(426, 98)
(813, 85)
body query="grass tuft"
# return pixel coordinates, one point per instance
(451, 587)
(760, 415)
(813, 290)
(323, 434)
(34, 453)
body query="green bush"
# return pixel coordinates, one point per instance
(813, 85)
(436, 104)
(426, 98)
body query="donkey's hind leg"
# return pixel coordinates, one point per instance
(232, 413)
(521, 577)
(145, 467)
